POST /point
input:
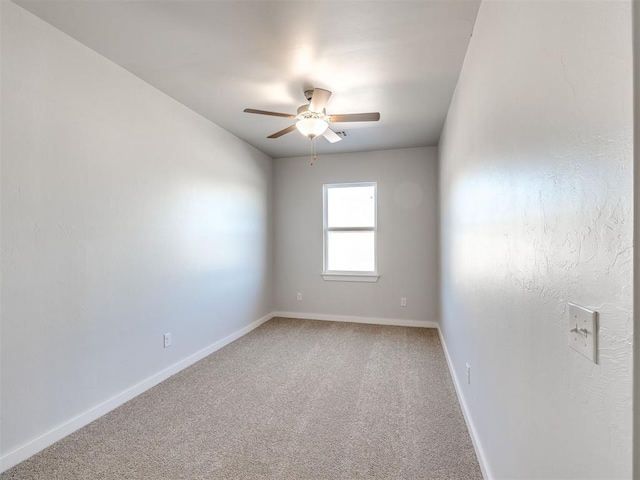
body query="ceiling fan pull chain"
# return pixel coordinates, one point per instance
(313, 151)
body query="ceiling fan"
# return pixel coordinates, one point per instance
(312, 119)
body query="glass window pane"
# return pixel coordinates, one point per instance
(350, 251)
(351, 206)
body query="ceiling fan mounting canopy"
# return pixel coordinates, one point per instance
(312, 119)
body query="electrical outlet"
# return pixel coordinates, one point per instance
(403, 302)
(299, 297)
(167, 339)
(468, 374)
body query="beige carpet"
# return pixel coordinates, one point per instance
(294, 399)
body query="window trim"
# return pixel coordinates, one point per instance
(342, 275)
(350, 277)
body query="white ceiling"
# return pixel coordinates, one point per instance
(399, 58)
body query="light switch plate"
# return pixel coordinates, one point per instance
(583, 331)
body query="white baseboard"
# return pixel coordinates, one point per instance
(351, 319)
(32, 447)
(475, 439)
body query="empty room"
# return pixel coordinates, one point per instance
(272, 239)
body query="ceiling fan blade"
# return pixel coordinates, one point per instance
(355, 117)
(264, 112)
(283, 132)
(319, 100)
(332, 136)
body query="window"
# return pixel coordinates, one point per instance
(350, 232)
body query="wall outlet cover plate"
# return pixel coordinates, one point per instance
(583, 331)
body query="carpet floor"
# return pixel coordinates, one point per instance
(294, 399)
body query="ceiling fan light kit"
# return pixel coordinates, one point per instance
(310, 124)
(311, 127)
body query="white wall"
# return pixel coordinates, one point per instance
(124, 215)
(407, 235)
(536, 211)
(636, 261)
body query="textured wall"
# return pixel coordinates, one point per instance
(407, 235)
(536, 211)
(636, 353)
(124, 216)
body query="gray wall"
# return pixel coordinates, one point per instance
(407, 235)
(636, 189)
(536, 208)
(124, 215)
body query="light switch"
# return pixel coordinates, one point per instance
(583, 331)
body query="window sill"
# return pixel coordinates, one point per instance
(351, 277)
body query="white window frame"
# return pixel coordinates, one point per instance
(340, 275)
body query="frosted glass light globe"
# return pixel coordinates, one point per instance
(311, 127)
